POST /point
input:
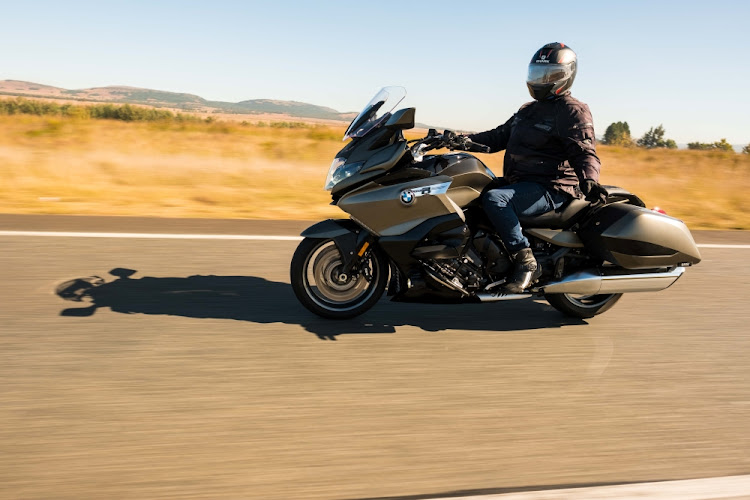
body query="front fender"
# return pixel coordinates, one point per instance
(331, 228)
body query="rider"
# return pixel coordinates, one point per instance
(550, 157)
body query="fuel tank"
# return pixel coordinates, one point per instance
(470, 176)
(638, 238)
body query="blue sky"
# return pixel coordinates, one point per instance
(681, 64)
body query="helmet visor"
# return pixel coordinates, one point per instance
(548, 73)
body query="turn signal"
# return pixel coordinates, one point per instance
(661, 211)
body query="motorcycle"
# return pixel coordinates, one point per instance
(417, 229)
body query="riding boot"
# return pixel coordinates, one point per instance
(526, 271)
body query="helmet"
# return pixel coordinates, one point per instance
(551, 71)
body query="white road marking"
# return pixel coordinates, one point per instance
(168, 236)
(713, 245)
(65, 234)
(714, 488)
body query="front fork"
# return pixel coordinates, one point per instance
(353, 249)
(352, 241)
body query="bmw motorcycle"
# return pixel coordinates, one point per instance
(417, 229)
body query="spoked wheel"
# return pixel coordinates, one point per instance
(582, 306)
(320, 284)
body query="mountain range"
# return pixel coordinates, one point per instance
(174, 100)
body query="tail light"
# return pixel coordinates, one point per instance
(659, 210)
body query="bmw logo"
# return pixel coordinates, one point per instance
(407, 197)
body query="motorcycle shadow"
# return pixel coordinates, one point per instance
(257, 300)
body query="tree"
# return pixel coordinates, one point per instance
(746, 149)
(721, 145)
(618, 134)
(654, 138)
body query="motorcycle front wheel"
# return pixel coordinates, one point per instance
(582, 306)
(319, 284)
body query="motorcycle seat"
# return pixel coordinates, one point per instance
(562, 218)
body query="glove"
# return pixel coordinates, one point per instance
(593, 191)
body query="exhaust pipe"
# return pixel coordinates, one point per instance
(491, 297)
(593, 282)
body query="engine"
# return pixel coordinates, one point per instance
(483, 263)
(462, 274)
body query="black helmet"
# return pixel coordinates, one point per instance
(551, 71)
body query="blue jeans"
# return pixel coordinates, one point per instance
(504, 205)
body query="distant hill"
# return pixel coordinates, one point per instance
(173, 100)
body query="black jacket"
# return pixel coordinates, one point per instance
(550, 142)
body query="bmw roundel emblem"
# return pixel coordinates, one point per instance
(407, 197)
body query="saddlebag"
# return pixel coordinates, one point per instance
(638, 238)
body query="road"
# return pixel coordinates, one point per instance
(196, 374)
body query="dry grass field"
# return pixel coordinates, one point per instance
(63, 165)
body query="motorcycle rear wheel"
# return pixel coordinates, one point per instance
(320, 286)
(582, 306)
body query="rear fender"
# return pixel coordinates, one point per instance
(345, 233)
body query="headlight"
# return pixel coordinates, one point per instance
(340, 170)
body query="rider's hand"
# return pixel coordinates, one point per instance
(593, 191)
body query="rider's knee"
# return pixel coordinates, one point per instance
(497, 198)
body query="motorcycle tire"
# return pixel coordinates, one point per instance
(586, 306)
(316, 281)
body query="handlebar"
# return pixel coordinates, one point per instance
(447, 139)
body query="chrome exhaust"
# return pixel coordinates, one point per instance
(491, 297)
(592, 282)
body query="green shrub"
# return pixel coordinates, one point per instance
(721, 145)
(125, 112)
(654, 138)
(290, 125)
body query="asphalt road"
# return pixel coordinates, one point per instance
(200, 376)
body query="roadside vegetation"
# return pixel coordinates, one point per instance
(125, 112)
(618, 134)
(60, 159)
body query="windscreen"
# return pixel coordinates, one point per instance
(376, 111)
